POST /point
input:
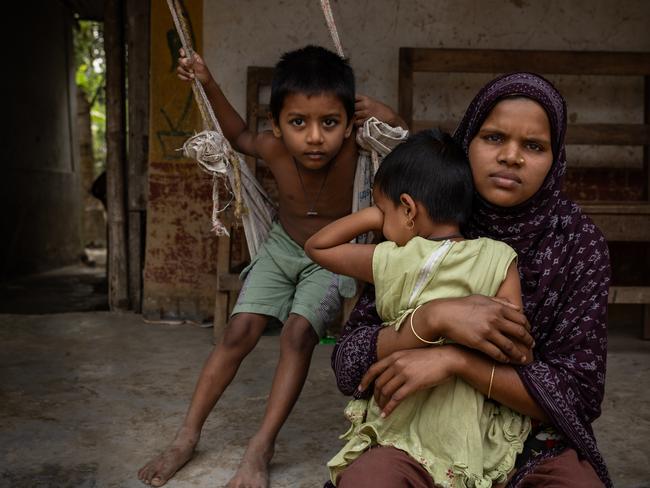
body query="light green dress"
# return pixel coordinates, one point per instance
(461, 439)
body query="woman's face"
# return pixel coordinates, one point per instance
(511, 154)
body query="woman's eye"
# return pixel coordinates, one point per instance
(329, 123)
(297, 122)
(492, 137)
(535, 147)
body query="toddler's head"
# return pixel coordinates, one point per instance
(431, 169)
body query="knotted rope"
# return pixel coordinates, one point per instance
(210, 148)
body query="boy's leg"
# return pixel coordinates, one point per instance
(297, 344)
(239, 338)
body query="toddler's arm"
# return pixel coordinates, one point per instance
(330, 247)
(233, 126)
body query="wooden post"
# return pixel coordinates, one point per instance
(405, 86)
(138, 15)
(118, 287)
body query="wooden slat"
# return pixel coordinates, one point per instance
(646, 150)
(629, 294)
(550, 62)
(628, 222)
(617, 208)
(228, 282)
(591, 134)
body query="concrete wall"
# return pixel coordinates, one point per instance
(39, 188)
(239, 33)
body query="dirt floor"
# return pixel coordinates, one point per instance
(86, 399)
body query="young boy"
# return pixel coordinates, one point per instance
(313, 156)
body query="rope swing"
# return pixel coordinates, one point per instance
(216, 156)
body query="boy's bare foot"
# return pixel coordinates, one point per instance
(253, 471)
(161, 468)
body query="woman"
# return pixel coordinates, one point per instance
(564, 270)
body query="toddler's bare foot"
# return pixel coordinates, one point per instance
(253, 471)
(161, 468)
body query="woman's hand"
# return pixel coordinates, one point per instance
(194, 67)
(405, 372)
(366, 107)
(490, 325)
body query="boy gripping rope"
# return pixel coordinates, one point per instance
(312, 154)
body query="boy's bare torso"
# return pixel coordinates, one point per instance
(300, 193)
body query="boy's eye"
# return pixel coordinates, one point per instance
(297, 122)
(329, 123)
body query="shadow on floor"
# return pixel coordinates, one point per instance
(75, 288)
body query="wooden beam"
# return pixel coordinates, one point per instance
(138, 16)
(118, 284)
(621, 221)
(433, 60)
(629, 294)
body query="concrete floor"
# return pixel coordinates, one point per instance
(87, 398)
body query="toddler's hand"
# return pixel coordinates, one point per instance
(194, 67)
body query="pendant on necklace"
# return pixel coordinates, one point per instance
(312, 213)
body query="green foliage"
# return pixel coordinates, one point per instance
(90, 77)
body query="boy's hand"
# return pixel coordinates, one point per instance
(194, 67)
(366, 107)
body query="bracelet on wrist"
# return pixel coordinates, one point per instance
(438, 342)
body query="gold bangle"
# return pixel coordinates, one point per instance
(438, 342)
(491, 379)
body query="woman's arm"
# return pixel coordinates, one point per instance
(478, 322)
(405, 372)
(330, 247)
(495, 326)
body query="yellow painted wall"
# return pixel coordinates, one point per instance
(180, 258)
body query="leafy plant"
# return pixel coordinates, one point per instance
(90, 77)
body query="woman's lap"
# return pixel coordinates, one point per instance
(385, 467)
(389, 467)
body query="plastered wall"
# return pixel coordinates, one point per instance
(239, 33)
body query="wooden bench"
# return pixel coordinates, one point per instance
(620, 221)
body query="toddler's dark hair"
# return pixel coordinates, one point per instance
(312, 70)
(432, 168)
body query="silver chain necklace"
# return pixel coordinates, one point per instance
(312, 209)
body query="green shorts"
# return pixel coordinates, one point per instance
(281, 280)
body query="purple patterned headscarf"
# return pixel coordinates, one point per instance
(565, 273)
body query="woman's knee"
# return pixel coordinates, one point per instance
(564, 470)
(298, 334)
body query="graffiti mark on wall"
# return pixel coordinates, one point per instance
(177, 129)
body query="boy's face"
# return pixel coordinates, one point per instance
(312, 128)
